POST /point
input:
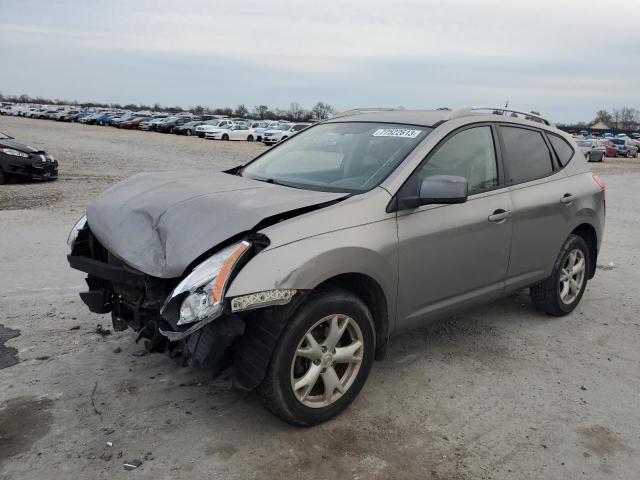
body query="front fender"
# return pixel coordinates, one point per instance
(370, 249)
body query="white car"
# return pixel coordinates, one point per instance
(211, 126)
(281, 132)
(233, 132)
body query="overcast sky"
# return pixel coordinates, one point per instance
(564, 58)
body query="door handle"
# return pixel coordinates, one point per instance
(499, 215)
(567, 199)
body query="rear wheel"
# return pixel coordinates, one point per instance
(225, 137)
(3, 179)
(322, 359)
(601, 157)
(250, 138)
(187, 132)
(560, 293)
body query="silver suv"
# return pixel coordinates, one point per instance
(298, 266)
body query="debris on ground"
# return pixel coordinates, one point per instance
(132, 465)
(103, 332)
(609, 266)
(93, 403)
(117, 350)
(8, 355)
(75, 327)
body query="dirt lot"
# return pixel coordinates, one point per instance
(502, 392)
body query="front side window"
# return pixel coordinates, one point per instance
(469, 154)
(526, 154)
(338, 157)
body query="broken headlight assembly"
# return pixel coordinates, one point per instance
(205, 285)
(73, 234)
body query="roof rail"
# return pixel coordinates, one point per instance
(463, 112)
(357, 111)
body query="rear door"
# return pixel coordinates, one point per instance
(542, 203)
(451, 256)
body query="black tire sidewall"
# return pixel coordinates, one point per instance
(323, 305)
(571, 244)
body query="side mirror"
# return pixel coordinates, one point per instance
(437, 189)
(443, 189)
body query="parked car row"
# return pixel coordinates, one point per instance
(596, 149)
(211, 127)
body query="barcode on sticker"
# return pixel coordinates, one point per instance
(397, 132)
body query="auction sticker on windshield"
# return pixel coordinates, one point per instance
(397, 132)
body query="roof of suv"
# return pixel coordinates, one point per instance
(431, 118)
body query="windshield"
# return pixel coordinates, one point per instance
(617, 141)
(338, 157)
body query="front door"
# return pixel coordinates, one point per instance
(452, 256)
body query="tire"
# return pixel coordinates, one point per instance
(287, 368)
(225, 137)
(188, 132)
(3, 179)
(601, 158)
(547, 295)
(250, 138)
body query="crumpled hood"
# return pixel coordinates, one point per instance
(159, 223)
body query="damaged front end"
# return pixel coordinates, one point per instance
(189, 317)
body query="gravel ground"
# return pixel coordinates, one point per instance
(501, 392)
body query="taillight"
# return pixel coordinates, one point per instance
(600, 183)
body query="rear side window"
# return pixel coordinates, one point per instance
(562, 148)
(526, 154)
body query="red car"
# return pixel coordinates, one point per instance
(611, 150)
(133, 123)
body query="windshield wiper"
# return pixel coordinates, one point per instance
(276, 182)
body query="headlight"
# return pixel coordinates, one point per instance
(73, 234)
(206, 285)
(14, 152)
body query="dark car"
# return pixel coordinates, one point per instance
(169, 125)
(188, 128)
(18, 161)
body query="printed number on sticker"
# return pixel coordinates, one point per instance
(396, 132)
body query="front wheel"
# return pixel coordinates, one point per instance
(225, 137)
(3, 179)
(560, 293)
(322, 360)
(601, 158)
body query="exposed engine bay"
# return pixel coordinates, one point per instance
(140, 302)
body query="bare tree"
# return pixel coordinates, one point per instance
(241, 111)
(603, 116)
(295, 111)
(261, 111)
(628, 117)
(322, 110)
(615, 116)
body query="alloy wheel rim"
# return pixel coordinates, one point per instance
(572, 276)
(327, 361)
